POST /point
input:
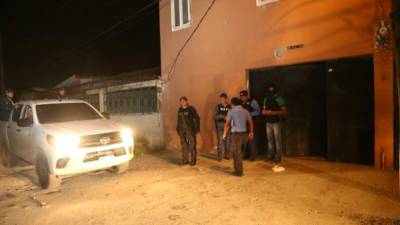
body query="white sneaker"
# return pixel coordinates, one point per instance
(278, 169)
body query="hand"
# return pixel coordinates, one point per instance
(224, 137)
(267, 112)
(250, 136)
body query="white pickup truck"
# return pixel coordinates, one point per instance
(63, 138)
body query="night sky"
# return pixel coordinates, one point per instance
(47, 41)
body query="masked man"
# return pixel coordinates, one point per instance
(274, 108)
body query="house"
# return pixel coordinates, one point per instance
(332, 60)
(131, 98)
(75, 80)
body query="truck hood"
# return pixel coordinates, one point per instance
(82, 128)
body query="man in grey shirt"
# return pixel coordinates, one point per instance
(241, 126)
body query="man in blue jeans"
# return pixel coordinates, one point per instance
(274, 108)
(220, 113)
(253, 108)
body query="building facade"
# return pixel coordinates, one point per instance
(326, 56)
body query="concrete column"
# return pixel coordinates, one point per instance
(103, 100)
(384, 109)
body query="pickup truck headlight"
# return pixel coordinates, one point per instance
(63, 142)
(127, 136)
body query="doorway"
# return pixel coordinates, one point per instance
(330, 108)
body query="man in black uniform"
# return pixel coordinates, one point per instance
(220, 112)
(188, 125)
(6, 104)
(253, 108)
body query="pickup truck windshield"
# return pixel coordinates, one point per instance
(65, 112)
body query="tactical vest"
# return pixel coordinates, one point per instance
(222, 111)
(270, 103)
(247, 105)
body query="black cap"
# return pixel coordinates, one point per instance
(223, 95)
(244, 93)
(183, 98)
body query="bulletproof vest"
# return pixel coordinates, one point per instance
(247, 105)
(270, 103)
(223, 110)
(187, 120)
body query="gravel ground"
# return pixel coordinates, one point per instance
(157, 190)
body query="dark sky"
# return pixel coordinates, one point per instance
(46, 41)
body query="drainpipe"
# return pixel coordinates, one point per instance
(396, 25)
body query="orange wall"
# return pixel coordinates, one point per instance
(238, 35)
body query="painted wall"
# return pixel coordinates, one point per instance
(238, 35)
(144, 126)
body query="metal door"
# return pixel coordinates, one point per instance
(350, 110)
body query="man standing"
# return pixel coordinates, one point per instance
(240, 123)
(274, 109)
(253, 108)
(6, 104)
(61, 94)
(188, 125)
(220, 113)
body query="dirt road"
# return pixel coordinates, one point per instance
(156, 190)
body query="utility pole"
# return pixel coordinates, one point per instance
(2, 85)
(396, 25)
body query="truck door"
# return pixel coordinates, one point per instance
(24, 133)
(12, 127)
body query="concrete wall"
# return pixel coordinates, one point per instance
(145, 126)
(237, 36)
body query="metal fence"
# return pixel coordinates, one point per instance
(142, 100)
(93, 100)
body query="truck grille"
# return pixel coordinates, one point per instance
(100, 139)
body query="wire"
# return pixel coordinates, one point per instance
(109, 30)
(112, 28)
(173, 66)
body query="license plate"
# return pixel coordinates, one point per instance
(106, 157)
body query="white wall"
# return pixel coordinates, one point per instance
(147, 126)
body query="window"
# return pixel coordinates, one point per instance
(264, 2)
(180, 14)
(65, 112)
(28, 114)
(16, 113)
(93, 100)
(143, 100)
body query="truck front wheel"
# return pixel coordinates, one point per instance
(7, 159)
(122, 168)
(46, 179)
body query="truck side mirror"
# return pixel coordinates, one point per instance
(27, 122)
